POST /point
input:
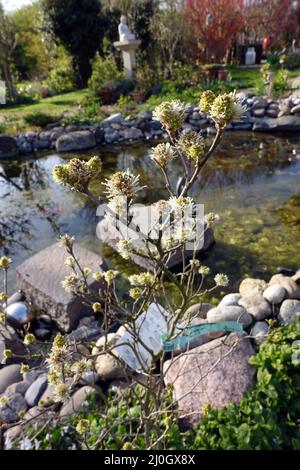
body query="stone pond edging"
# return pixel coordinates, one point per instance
(255, 306)
(263, 115)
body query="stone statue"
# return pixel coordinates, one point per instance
(124, 33)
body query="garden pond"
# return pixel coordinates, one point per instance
(252, 182)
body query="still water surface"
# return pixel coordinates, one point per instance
(246, 182)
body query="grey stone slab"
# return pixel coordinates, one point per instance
(40, 278)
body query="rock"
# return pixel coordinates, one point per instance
(289, 312)
(79, 140)
(31, 136)
(10, 435)
(111, 339)
(77, 402)
(147, 115)
(16, 297)
(215, 374)
(10, 412)
(252, 286)
(25, 148)
(35, 391)
(116, 118)
(289, 123)
(111, 136)
(247, 126)
(45, 135)
(284, 111)
(41, 276)
(156, 125)
(71, 128)
(259, 332)
(18, 315)
(32, 413)
(275, 294)
(48, 396)
(285, 271)
(99, 135)
(230, 299)
(260, 103)
(41, 144)
(42, 334)
(273, 106)
(10, 340)
(132, 133)
(107, 366)
(291, 287)
(9, 375)
(272, 113)
(211, 130)
(8, 147)
(198, 310)
(229, 313)
(295, 109)
(256, 305)
(259, 113)
(296, 277)
(31, 375)
(89, 378)
(107, 233)
(56, 135)
(18, 387)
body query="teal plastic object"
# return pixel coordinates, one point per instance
(188, 334)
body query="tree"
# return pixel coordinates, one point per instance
(167, 27)
(7, 46)
(78, 25)
(31, 54)
(213, 26)
(262, 19)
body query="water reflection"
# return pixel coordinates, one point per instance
(248, 179)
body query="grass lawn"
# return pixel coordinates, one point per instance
(54, 105)
(249, 77)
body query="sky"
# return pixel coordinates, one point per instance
(10, 5)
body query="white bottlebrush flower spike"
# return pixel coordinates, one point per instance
(122, 183)
(221, 280)
(171, 114)
(180, 204)
(163, 153)
(124, 248)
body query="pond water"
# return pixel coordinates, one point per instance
(246, 182)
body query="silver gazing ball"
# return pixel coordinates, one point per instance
(18, 314)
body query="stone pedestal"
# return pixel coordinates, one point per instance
(128, 49)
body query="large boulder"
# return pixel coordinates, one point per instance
(109, 234)
(289, 312)
(77, 402)
(10, 340)
(256, 305)
(230, 313)
(215, 374)
(8, 147)
(281, 124)
(289, 284)
(251, 286)
(9, 375)
(73, 141)
(40, 277)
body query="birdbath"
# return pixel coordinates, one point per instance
(127, 44)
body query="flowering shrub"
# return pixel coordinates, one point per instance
(171, 234)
